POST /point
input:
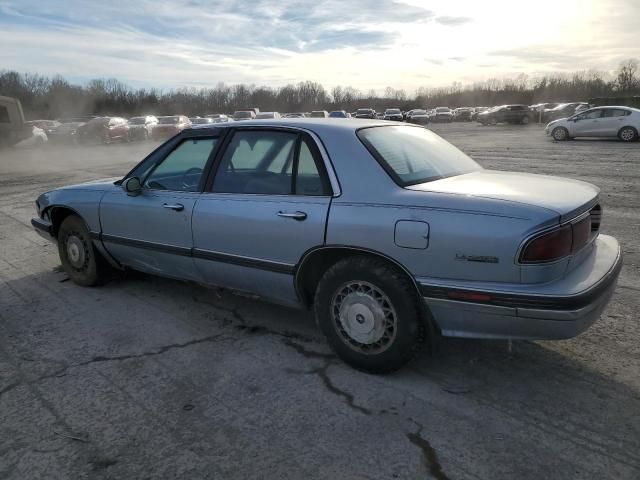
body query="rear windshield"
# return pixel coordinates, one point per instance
(413, 155)
(442, 109)
(393, 111)
(242, 115)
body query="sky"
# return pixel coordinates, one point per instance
(366, 44)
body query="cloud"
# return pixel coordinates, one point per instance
(453, 21)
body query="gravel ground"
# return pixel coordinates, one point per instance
(153, 378)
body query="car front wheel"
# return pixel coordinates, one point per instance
(628, 134)
(370, 313)
(560, 134)
(80, 260)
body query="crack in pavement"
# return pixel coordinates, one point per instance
(429, 455)
(161, 350)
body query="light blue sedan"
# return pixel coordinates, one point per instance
(388, 232)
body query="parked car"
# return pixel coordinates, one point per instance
(104, 130)
(46, 125)
(442, 115)
(505, 114)
(141, 128)
(393, 114)
(268, 115)
(201, 120)
(462, 114)
(218, 117)
(392, 239)
(66, 131)
(170, 125)
(621, 122)
(244, 115)
(562, 110)
(368, 113)
(419, 117)
(319, 114)
(295, 115)
(339, 114)
(477, 111)
(38, 137)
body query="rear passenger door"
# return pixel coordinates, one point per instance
(613, 119)
(266, 205)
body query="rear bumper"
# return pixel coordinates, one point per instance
(557, 310)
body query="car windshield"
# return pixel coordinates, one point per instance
(136, 121)
(337, 114)
(363, 111)
(168, 120)
(413, 155)
(419, 112)
(393, 111)
(441, 109)
(317, 114)
(266, 115)
(561, 106)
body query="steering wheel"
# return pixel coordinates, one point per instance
(188, 184)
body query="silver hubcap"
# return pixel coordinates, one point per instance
(75, 252)
(626, 134)
(364, 317)
(559, 134)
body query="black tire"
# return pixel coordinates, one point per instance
(80, 259)
(370, 282)
(560, 134)
(525, 120)
(628, 134)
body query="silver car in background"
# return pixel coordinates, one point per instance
(621, 122)
(391, 234)
(141, 128)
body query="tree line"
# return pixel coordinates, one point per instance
(55, 97)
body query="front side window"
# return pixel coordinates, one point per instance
(182, 169)
(265, 162)
(591, 115)
(4, 115)
(412, 155)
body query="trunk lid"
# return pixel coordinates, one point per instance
(564, 196)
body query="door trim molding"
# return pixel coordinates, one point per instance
(269, 265)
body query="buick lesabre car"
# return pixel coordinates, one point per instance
(387, 231)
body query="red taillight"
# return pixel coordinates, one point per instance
(548, 247)
(558, 243)
(581, 233)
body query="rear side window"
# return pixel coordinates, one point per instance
(615, 112)
(270, 163)
(412, 155)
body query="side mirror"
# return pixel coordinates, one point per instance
(132, 186)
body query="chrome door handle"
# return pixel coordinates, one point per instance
(295, 215)
(178, 207)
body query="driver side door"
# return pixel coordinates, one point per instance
(151, 231)
(586, 124)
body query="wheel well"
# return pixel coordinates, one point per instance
(628, 126)
(316, 263)
(57, 216)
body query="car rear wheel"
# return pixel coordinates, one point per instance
(80, 259)
(560, 134)
(525, 120)
(628, 134)
(370, 313)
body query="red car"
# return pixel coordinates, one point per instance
(169, 126)
(104, 129)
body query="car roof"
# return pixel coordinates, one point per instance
(307, 123)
